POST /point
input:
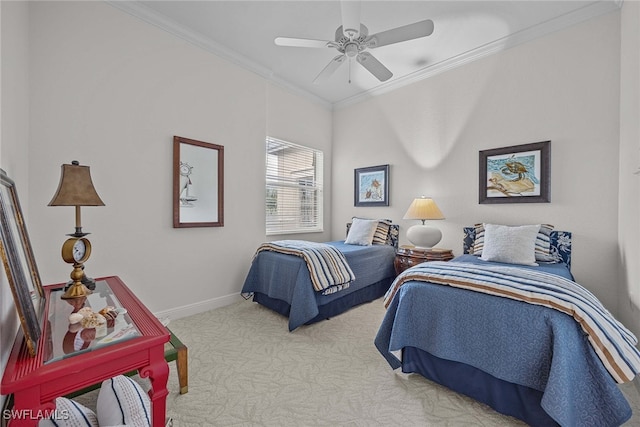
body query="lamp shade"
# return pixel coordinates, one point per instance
(423, 208)
(421, 235)
(76, 187)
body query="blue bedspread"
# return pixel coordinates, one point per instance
(514, 341)
(286, 277)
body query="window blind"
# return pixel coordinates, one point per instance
(293, 188)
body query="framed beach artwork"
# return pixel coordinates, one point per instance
(516, 174)
(371, 186)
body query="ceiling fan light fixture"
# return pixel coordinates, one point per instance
(351, 50)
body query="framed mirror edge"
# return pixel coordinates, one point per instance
(179, 187)
(29, 302)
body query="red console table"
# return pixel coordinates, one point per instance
(64, 365)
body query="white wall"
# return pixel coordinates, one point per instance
(111, 91)
(629, 230)
(14, 135)
(548, 89)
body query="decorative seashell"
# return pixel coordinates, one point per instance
(107, 309)
(74, 327)
(85, 311)
(93, 320)
(75, 318)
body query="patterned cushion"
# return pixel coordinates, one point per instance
(70, 414)
(382, 232)
(478, 243)
(560, 244)
(543, 244)
(122, 401)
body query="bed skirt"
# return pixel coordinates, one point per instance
(332, 308)
(507, 398)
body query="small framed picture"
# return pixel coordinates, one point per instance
(198, 183)
(516, 174)
(371, 186)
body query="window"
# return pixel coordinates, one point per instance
(294, 188)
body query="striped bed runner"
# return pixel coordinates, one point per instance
(613, 343)
(327, 265)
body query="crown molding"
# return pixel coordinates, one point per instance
(585, 13)
(556, 24)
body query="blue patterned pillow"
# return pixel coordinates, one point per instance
(560, 242)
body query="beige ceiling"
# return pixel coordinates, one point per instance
(244, 32)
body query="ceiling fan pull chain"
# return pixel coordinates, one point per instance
(349, 70)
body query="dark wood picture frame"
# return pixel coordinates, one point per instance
(371, 186)
(19, 264)
(516, 174)
(198, 183)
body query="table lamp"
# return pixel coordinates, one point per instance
(421, 235)
(76, 189)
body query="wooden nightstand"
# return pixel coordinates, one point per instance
(408, 256)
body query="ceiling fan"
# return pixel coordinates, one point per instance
(352, 40)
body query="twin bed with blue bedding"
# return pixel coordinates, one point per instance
(524, 339)
(281, 276)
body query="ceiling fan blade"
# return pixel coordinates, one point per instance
(401, 34)
(330, 69)
(295, 42)
(374, 66)
(350, 18)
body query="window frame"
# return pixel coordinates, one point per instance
(310, 185)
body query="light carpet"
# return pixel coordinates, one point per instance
(247, 369)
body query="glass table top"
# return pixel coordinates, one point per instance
(71, 328)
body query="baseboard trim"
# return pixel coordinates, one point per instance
(199, 307)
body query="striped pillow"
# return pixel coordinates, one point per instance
(542, 249)
(478, 242)
(382, 232)
(121, 401)
(543, 244)
(70, 414)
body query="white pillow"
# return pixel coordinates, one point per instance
(122, 401)
(513, 245)
(70, 414)
(361, 232)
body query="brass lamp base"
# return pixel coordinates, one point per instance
(76, 290)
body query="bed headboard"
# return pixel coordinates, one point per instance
(560, 244)
(392, 237)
